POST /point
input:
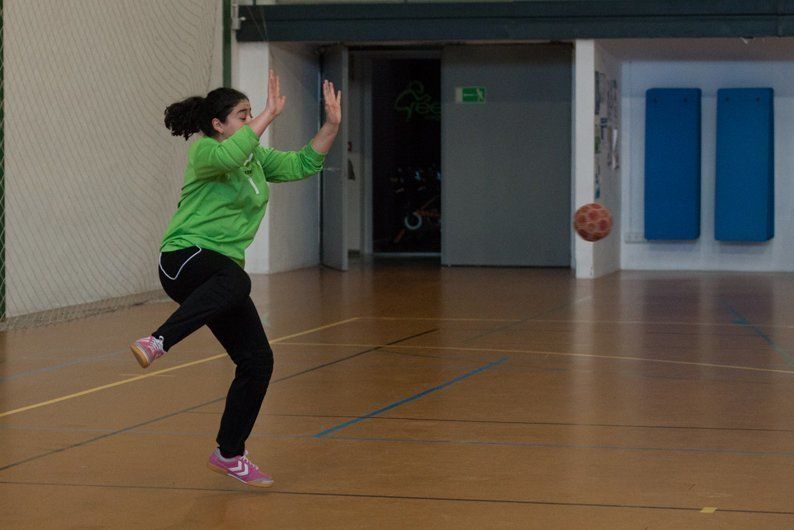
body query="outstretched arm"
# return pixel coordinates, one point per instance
(274, 106)
(333, 117)
(285, 166)
(210, 158)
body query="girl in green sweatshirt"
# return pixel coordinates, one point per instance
(223, 201)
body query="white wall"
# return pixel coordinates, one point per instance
(583, 187)
(289, 237)
(708, 75)
(606, 253)
(294, 207)
(355, 122)
(251, 64)
(592, 259)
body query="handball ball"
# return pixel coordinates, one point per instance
(592, 221)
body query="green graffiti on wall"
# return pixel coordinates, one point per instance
(417, 104)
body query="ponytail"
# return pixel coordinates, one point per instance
(184, 117)
(195, 114)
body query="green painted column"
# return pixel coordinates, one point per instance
(227, 43)
(2, 180)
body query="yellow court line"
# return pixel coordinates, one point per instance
(159, 372)
(539, 352)
(446, 319)
(153, 375)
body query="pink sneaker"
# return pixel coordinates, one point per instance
(148, 349)
(240, 468)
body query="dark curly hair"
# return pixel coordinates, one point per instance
(194, 114)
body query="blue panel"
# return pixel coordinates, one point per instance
(672, 163)
(745, 201)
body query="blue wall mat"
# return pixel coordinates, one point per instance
(672, 163)
(745, 201)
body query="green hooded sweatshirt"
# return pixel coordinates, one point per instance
(225, 191)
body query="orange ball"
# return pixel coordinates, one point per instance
(592, 221)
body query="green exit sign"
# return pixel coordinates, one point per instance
(470, 94)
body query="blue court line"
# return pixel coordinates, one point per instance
(740, 319)
(409, 399)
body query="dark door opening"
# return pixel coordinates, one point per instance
(406, 156)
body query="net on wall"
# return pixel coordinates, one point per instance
(91, 175)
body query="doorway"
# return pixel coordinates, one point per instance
(395, 153)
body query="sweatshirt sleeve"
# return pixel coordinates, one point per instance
(211, 158)
(284, 166)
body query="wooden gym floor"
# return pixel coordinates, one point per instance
(407, 395)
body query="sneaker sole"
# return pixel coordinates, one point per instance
(223, 471)
(139, 356)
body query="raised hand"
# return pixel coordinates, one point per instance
(333, 103)
(275, 101)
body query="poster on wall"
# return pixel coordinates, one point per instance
(615, 160)
(597, 93)
(600, 92)
(597, 193)
(597, 137)
(606, 131)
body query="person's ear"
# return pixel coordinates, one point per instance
(217, 125)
